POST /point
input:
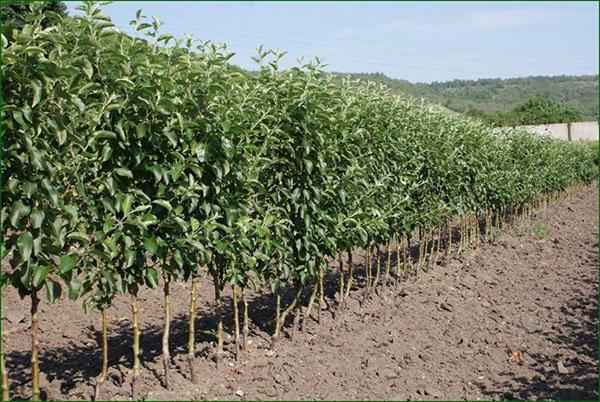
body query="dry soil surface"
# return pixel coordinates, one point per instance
(514, 319)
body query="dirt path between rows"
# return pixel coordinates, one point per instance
(517, 319)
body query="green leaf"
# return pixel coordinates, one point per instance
(309, 165)
(19, 210)
(163, 203)
(87, 68)
(104, 134)
(25, 244)
(129, 257)
(124, 172)
(37, 91)
(151, 245)
(79, 103)
(67, 263)
(39, 274)
(126, 203)
(152, 277)
(140, 130)
(74, 288)
(149, 219)
(53, 290)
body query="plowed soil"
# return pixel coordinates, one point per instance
(513, 319)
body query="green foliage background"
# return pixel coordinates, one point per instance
(500, 95)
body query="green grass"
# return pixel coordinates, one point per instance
(539, 231)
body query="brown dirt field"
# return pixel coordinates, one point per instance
(517, 319)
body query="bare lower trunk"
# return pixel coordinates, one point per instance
(311, 301)
(192, 331)
(246, 328)
(104, 371)
(35, 347)
(281, 320)
(321, 293)
(136, 347)
(388, 264)
(236, 321)
(350, 278)
(296, 322)
(398, 247)
(166, 331)
(342, 287)
(368, 267)
(377, 268)
(277, 313)
(449, 246)
(5, 391)
(219, 316)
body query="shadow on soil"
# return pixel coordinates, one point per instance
(80, 362)
(580, 335)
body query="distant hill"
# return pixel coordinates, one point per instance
(497, 94)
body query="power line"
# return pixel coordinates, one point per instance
(393, 63)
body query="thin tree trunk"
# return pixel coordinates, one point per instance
(35, 347)
(342, 287)
(136, 347)
(398, 247)
(246, 327)
(388, 264)
(219, 316)
(311, 301)
(406, 257)
(5, 390)
(104, 371)
(377, 267)
(236, 320)
(277, 313)
(166, 331)
(283, 316)
(350, 277)
(296, 322)
(192, 331)
(321, 294)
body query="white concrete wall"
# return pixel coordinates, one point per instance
(586, 130)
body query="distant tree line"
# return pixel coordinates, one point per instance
(534, 111)
(498, 95)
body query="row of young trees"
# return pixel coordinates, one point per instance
(129, 159)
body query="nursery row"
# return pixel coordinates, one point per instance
(129, 158)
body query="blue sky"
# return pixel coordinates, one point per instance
(417, 41)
